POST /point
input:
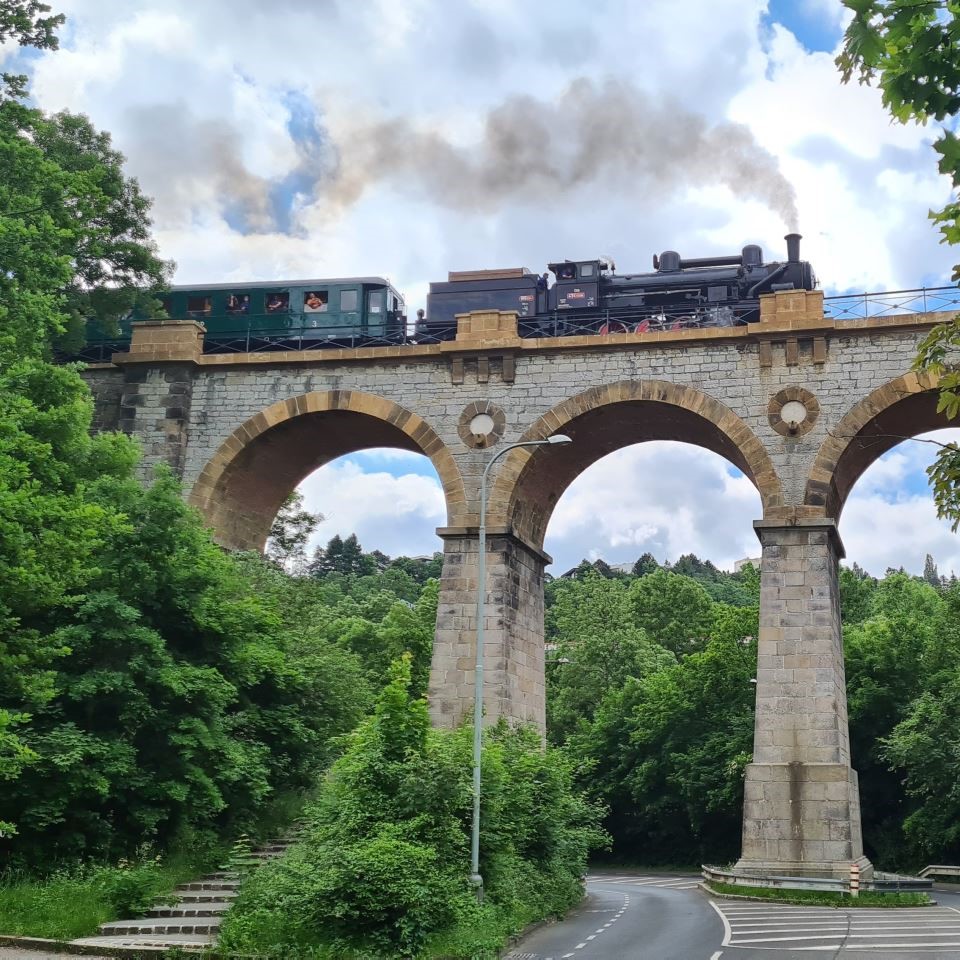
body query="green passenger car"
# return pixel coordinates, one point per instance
(297, 314)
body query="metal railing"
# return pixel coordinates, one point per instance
(296, 339)
(639, 320)
(864, 306)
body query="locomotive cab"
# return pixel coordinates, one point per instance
(577, 286)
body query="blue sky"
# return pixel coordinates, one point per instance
(273, 159)
(807, 21)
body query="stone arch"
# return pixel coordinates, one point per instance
(900, 409)
(604, 419)
(245, 482)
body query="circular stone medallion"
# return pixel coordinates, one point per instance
(793, 411)
(481, 424)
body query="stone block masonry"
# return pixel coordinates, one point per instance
(801, 811)
(242, 430)
(513, 638)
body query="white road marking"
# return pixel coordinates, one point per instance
(890, 946)
(579, 946)
(726, 924)
(567, 956)
(817, 929)
(717, 955)
(592, 936)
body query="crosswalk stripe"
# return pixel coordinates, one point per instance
(810, 929)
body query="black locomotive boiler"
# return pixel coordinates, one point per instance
(589, 296)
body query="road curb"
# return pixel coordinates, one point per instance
(515, 938)
(804, 903)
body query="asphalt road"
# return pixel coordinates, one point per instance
(634, 916)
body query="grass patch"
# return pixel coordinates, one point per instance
(823, 898)
(74, 902)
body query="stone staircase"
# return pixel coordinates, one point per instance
(193, 921)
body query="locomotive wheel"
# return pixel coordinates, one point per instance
(613, 326)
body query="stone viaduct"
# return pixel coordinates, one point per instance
(801, 404)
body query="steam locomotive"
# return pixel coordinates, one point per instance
(588, 296)
(582, 296)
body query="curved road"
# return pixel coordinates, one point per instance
(634, 916)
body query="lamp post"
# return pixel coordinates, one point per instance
(475, 877)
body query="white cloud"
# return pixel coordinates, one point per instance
(889, 519)
(397, 514)
(203, 99)
(662, 497)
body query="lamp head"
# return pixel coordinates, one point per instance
(559, 438)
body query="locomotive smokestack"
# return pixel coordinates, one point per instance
(793, 247)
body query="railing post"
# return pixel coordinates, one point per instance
(854, 879)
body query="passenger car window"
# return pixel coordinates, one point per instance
(238, 303)
(316, 301)
(277, 302)
(198, 306)
(348, 300)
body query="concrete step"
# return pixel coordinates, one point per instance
(212, 908)
(208, 885)
(206, 896)
(154, 927)
(184, 941)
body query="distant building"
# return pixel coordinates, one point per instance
(738, 565)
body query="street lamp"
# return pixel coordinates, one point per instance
(475, 877)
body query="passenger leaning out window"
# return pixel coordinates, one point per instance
(315, 302)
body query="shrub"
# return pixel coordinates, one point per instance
(129, 889)
(384, 863)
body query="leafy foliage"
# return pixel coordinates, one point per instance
(290, 532)
(22, 21)
(912, 49)
(385, 863)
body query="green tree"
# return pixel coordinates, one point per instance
(892, 657)
(589, 606)
(856, 594)
(675, 611)
(930, 572)
(667, 755)
(924, 747)
(644, 565)
(22, 22)
(290, 532)
(581, 673)
(911, 48)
